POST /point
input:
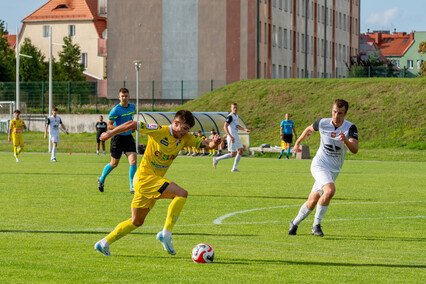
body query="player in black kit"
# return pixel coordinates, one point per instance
(101, 127)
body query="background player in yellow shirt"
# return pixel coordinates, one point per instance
(15, 130)
(163, 147)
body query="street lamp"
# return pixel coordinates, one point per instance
(138, 64)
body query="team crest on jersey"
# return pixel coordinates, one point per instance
(333, 134)
(164, 142)
(151, 126)
(177, 143)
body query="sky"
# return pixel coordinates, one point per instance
(402, 15)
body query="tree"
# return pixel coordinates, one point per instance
(69, 66)
(422, 49)
(32, 69)
(7, 57)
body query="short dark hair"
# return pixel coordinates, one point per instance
(55, 109)
(342, 103)
(17, 111)
(185, 116)
(123, 91)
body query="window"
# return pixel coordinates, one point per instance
(410, 64)
(46, 30)
(280, 72)
(280, 38)
(274, 3)
(297, 42)
(264, 70)
(274, 73)
(419, 63)
(290, 42)
(266, 34)
(285, 38)
(286, 5)
(71, 30)
(84, 60)
(280, 4)
(274, 36)
(396, 62)
(260, 32)
(303, 43)
(285, 71)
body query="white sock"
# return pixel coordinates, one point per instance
(104, 243)
(104, 152)
(97, 152)
(53, 152)
(303, 213)
(166, 233)
(319, 214)
(226, 156)
(237, 160)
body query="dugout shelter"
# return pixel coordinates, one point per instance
(204, 121)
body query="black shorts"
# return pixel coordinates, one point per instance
(122, 144)
(98, 135)
(288, 138)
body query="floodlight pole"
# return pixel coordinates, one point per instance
(50, 79)
(17, 69)
(138, 64)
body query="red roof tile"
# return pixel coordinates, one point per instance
(66, 10)
(11, 39)
(395, 44)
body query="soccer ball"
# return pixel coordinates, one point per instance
(203, 253)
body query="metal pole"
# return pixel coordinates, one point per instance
(42, 97)
(96, 96)
(69, 97)
(211, 85)
(137, 67)
(17, 69)
(50, 79)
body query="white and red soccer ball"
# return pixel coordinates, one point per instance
(202, 253)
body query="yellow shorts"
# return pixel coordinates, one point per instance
(18, 139)
(148, 188)
(283, 145)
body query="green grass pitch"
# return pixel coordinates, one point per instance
(51, 214)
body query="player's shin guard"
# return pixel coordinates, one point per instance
(237, 160)
(319, 214)
(288, 151)
(15, 151)
(132, 171)
(120, 231)
(173, 213)
(106, 172)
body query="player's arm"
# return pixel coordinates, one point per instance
(64, 128)
(352, 140)
(282, 133)
(130, 125)
(306, 133)
(110, 125)
(9, 134)
(23, 125)
(294, 131)
(45, 129)
(211, 143)
(225, 127)
(242, 128)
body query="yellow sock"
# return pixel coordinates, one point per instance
(15, 151)
(20, 150)
(120, 231)
(174, 211)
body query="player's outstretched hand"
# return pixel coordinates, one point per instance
(104, 136)
(342, 137)
(296, 148)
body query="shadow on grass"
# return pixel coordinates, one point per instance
(259, 196)
(372, 238)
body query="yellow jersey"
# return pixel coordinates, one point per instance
(16, 125)
(162, 147)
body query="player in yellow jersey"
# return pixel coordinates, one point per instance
(164, 144)
(15, 130)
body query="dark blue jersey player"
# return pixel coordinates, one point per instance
(123, 142)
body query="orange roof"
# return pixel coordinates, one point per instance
(395, 44)
(11, 39)
(66, 10)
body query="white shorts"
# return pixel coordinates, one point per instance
(322, 177)
(54, 138)
(233, 147)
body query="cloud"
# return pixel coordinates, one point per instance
(383, 18)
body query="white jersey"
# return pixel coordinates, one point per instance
(232, 120)
(54, 123)
(331, 152)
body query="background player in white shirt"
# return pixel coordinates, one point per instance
(235, 147)
(54, 121)
(337, 135)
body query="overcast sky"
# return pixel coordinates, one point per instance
(404, 15)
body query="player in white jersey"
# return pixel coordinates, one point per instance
(337, 135)
(235, 147)
(53, 122)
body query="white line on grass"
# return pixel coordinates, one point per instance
(219, 221)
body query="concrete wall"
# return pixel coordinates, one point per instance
(75, 123)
